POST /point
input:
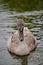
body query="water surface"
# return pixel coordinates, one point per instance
(34, 21)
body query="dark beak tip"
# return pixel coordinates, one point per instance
(21, 40)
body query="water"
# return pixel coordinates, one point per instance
(34, 21)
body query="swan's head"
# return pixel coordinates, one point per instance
(20, 25)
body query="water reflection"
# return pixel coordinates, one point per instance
(22, 5)
(23, 60)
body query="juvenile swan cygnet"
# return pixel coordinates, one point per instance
(22, 42)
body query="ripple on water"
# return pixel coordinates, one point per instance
(34, 21)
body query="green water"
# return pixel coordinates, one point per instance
(31, 11)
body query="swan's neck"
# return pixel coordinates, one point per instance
(21, 35)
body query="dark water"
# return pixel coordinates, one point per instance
(34, 21)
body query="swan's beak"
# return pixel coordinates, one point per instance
(21, 36)
(20, 26)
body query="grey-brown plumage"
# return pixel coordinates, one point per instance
(24, 44)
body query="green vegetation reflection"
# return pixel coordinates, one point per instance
(23, 5)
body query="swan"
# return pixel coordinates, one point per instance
(22, 42)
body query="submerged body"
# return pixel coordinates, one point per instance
(21, 47)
